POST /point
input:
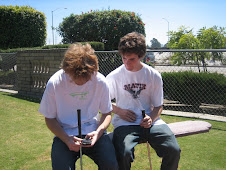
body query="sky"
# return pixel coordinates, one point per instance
(158, 16)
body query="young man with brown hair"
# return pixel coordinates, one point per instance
(78, 85)
(136, 87)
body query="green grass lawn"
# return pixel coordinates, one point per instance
(25, 141)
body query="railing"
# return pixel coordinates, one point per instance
(40, 74)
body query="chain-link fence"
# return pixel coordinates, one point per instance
(8, 71)
(201, 94)
(186, 92)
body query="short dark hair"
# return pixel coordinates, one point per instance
(133, 42)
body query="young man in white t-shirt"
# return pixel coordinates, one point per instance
(78, 86)
(136, 87)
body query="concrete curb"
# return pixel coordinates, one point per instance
(9, 91)
(194, 115)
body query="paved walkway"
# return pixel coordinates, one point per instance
(194, 115)
(9, 91)
(170, 112)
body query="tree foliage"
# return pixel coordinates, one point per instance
(212, 38)
(155, 43)
(176, 35)
(102, 26)
(21, 27)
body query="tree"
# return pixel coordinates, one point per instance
(212, 38)
(102, 26)
(182, 39)
(155, 43)
(21, 27)
(224, 42)
(186, 41)
(176, 35)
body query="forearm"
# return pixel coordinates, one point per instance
(56, 129)
(105, 121)
(115, 109)
(156, 112)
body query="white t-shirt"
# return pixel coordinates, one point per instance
(136, 91)
(62, 98)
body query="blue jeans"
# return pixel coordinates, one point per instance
(102, 153)
(160, 137)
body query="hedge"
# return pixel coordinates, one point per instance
(97, 46)
(21, 27)
(195, 88)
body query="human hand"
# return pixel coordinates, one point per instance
(127, 115)
(74, 143)
(146, 122)
(93, 136)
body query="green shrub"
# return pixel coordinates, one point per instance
(21, 27)
(106, 26)
(195, 88)
(13, 50)
(9, 77)
(98, 46)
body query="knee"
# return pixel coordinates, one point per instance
(175, 151)
(127, 152)
(126, 156)
(123, 151)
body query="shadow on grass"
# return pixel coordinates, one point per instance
(18, 96)
(219, 129)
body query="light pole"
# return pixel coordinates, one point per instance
(168, 27)
(52, 24)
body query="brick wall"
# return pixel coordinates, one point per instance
(35, 67)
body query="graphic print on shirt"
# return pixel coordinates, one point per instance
(80, 95)
(135, 89)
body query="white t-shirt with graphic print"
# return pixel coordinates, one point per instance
(62, 98)
(136, 91)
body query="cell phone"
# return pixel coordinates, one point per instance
(86, 142)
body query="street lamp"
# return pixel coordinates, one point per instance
(168, 27)
(52, 23)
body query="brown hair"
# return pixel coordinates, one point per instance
(80, 61)
(133, 42)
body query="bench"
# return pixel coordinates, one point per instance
(181, 129)
(185, 128)
(190, 127)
